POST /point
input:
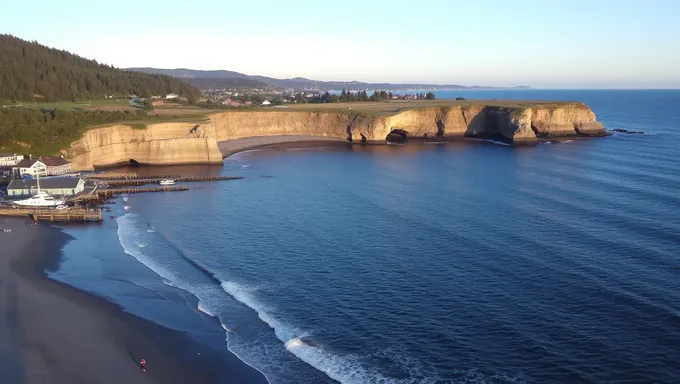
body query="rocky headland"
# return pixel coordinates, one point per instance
(200, 141)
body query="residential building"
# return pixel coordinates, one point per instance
(266, 102)
(5, 171)
(56, 165)
(31, 167)
(55, 187)
(9, 159)
(171, 96)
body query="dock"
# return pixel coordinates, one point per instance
(106, 193)
(155, 180)
(67, 215)
(101, 191)
(126, 176)
(119, 191)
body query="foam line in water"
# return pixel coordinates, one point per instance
(190, 277)
(344, 369)
(495, 142)
(240, 155)
(202, 308)
(131, 239)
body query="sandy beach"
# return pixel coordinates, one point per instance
(53, 333)
(230, 147)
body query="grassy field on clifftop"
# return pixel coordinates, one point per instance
(387, 108)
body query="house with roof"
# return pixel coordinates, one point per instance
(5, 170)
(56, 187)
(266, 102)
(56, 165)
(9, 159)
(171, 96)
(31, 167)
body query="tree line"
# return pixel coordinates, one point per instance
(348, 97)
(46, 132)
(33, 72)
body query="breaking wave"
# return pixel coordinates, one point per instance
(176, 270)
(346, 369)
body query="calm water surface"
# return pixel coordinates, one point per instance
(467, 262)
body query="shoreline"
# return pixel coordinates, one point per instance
(229, 148)
(232, 147)
(53, 332)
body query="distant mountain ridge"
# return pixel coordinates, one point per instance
(203, 79)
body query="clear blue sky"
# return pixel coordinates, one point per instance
(547, 43)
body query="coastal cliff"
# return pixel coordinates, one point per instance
(159, 144)
(191, 143)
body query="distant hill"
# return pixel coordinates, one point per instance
(193, 76)
(228, 83)
(31, 71)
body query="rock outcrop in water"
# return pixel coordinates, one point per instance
(197, 142)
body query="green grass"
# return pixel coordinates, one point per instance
(392, 107)
(142, 124)
(76, 104)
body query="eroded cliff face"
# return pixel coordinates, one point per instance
(186, 143)
(168, 143)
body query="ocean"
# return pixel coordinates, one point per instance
(469, 262)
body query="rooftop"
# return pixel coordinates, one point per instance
(26, 163)
(53, 161)
(44, 183)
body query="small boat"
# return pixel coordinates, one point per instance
(167, 182)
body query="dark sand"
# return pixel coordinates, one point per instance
(53, 333)
(230, 147)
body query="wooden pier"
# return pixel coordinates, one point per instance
(127, 176)
(118, 191)
(67, 215)
(115, 183)
(107, 193)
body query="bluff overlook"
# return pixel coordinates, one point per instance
(197, 141)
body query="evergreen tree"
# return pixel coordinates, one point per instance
(30, 71)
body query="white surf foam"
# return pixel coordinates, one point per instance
(131, 240)
(495, 142)
(342, 368)
(346, 369)
(131, 236)
(240, 155)
(202, 308)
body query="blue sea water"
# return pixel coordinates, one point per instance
(461, 263)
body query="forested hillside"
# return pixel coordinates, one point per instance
(30, 71)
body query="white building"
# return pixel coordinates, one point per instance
(9, 159)
(31, 167)
(171, 96)
(56, 187)
(266, 102)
